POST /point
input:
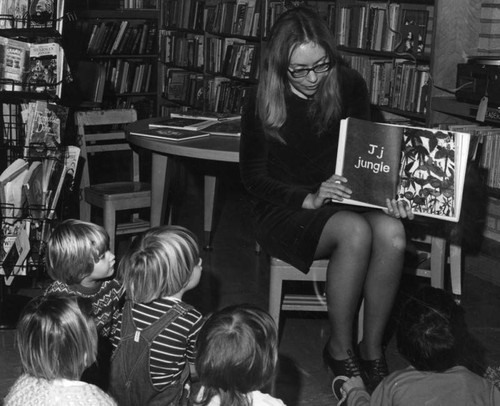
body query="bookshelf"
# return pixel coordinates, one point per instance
(124, 43)
(209, 53)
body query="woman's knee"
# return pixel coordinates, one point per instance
(390, 232)
(351, 228)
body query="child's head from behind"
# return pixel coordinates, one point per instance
(430, 330)
(57, 338)
(237, 351)
(162, 261)
(73, 250)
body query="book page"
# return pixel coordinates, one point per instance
(433, 171)
(369, 156)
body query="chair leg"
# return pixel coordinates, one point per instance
(110, 225)
(275, 289)
(456, 269)
(85, 211)
(438, 255)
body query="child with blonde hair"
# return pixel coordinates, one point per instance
(79, 261)
(57, 340)
(237, 353)
(156, 332)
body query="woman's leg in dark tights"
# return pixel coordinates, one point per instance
(366, 252)
(382, 280)
(346, 239)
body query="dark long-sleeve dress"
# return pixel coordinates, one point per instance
(279, 176)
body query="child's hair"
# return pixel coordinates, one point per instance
(159, 263)
(57, 338)
(73, 249)
(237, 352)
(431, 330)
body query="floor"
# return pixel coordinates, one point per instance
(234, 273)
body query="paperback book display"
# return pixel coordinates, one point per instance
(31, 67)
(421, 166)
(31, 14)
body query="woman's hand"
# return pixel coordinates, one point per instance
(331, 189)
(398, 209)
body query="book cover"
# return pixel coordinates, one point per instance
(12, 263)
(14, 56)
(33, 189)
(182, 123)
(45, 69)
(11, 196)
(225, 127)
(421, 166)
(413, 30)
(172, 134)
(207, 115)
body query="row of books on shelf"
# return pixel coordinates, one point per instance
(139, 4)
(225, 95)
(120, 38)
(215, 93)
(37, 67)
(385, 26)
(129, 76)
(184, 49)
(235, 17)
(233, 57)
(32, 14)
(399, 84)
(185, 14)
(185, 87)
(488, 138)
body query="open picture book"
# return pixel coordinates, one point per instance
(423, 167)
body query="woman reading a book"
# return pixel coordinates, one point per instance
(287, 158)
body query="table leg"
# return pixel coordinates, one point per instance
(209, 197)
(160, 183)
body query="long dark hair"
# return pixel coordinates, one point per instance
(297, 26)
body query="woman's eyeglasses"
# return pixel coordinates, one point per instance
(303, 72)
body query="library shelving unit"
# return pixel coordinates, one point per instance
(209, 53)
(123, 42)
(391, 45)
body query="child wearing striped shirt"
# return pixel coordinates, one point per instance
(156, 332)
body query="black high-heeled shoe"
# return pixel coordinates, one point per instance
(373, 371)
(348, 367)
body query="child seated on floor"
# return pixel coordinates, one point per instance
(79, 261)
(57, 340)
(156, 332)
(237, 352)
(430, 336)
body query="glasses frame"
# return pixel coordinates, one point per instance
(304, 72)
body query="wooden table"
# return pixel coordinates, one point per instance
(216, 148)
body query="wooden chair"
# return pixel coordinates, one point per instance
(280, 301)
(114, 196)
(434, 252)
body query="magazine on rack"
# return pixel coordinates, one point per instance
(421, 166)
